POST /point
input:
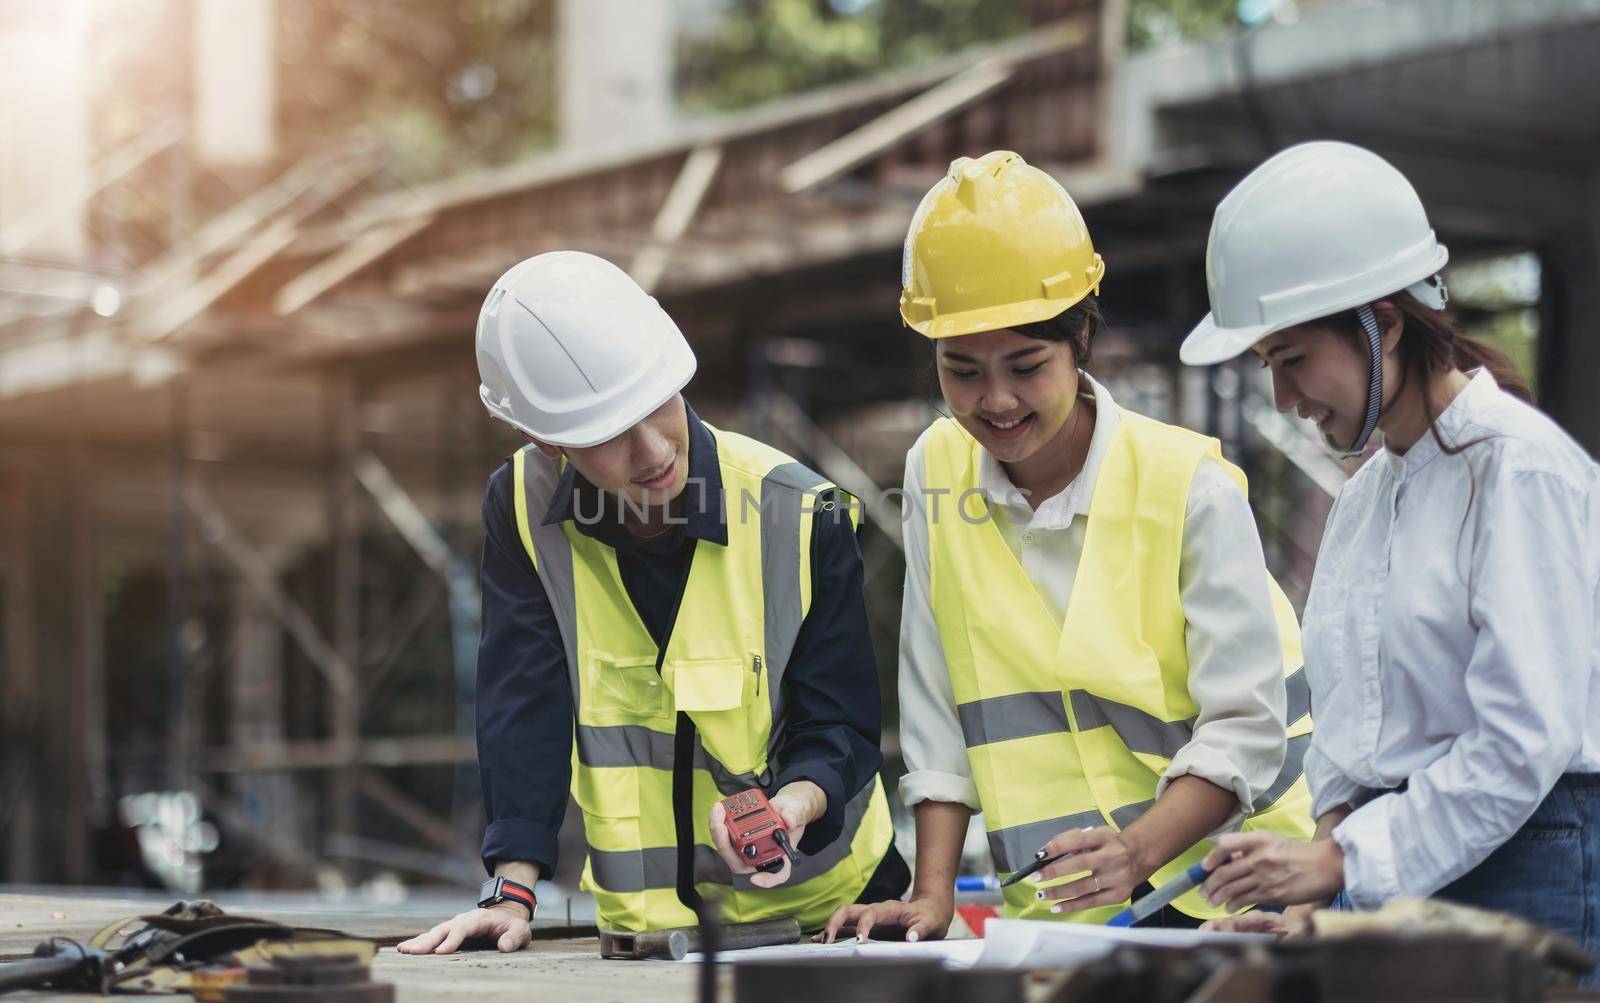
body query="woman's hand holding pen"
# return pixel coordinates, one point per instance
(1113, 866)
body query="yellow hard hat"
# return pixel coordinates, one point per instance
(994, 244)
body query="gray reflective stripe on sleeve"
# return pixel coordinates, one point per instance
(657, 866)
(1294, 765)
(1016, 715)
(1299, 695)
(553, 557)
(1015, 846)
(1139, 731)
(632, 745)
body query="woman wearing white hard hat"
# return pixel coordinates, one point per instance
(1092, 652)
(1451, 628)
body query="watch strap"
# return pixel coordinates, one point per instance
(500, 889)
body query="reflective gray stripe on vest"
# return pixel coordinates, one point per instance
(1299, 695)
(1294, 764)
(657, 866)
(1023, 715)
(783, 492)
(631, 745)
(552, 553)
(1139, 731)
(1016, 715)
(1015, 846)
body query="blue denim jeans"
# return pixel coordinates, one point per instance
(1549, 871)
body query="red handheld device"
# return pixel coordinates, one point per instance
(757, 831)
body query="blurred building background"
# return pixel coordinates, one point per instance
(243, 244)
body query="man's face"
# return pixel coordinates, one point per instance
(648, 464)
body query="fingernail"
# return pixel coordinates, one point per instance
(1039, 855)
(1039, 894)
(1058, 908)
(860, 939)
(911, 938)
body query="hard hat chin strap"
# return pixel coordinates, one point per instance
(1369, 324)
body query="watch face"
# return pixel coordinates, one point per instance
(489, 892)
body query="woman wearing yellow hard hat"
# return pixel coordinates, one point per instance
(1092, 651)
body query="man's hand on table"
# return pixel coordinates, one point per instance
(506, 922)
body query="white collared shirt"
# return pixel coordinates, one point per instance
(1235, 659)
(1450, 642)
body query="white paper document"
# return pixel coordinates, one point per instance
(953, 953)
(1016, 944)
(1034, 943)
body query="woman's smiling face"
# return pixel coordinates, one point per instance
(1320, 374)
(1011, 392)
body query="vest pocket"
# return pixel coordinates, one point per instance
(622, 689)
(609, 793)
(718, 694)
(711, 684)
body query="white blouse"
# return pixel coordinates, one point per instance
(1451, 644)
(1235, 659)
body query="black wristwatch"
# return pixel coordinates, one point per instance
(499, 889)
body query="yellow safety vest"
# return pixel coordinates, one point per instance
(741, 610)
(1073, 725)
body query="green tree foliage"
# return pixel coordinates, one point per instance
(1152, 23)
(445, 85)
(757, 50)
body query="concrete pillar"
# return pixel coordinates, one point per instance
(19, 695)
(615, 71)
(44, 129)
(235, 82)
(52, 687)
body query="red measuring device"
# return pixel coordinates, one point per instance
(757, 831)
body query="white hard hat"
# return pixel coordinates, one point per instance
(574, 353)
(1316, 230)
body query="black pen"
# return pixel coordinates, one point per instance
(1038, 864)
(1031, 869)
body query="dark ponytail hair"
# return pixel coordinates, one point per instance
(1429, 345)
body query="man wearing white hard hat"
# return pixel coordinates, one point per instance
(672, 614)
(1452, 632)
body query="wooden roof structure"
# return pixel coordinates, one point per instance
(251, 442)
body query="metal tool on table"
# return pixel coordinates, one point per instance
(64, 964)
(680, 941)
(164, 952)
(757, 831)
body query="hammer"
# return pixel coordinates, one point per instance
(680, 941)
